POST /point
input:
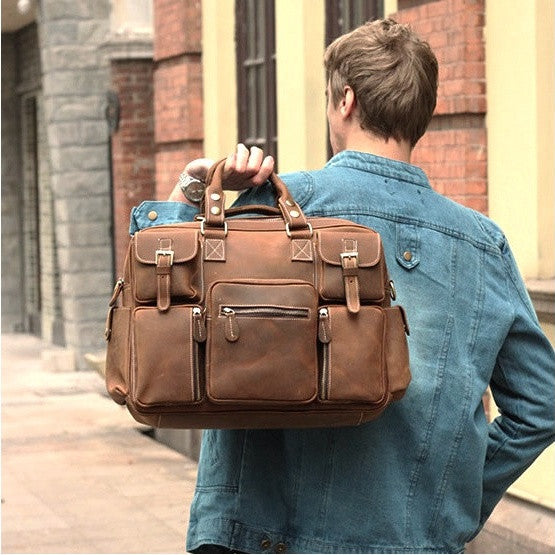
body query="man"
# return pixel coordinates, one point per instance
(426, 475)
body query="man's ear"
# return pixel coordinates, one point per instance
(348, 102)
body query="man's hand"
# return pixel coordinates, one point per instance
(242, 169)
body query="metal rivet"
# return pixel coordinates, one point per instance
(265, 544)
(281, 548)
(152, 215)
(407, 255)
(294, 214)
(215, 210)
(289, 202)
(215, 196)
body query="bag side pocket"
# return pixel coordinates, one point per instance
(117, 354)
(396, 351)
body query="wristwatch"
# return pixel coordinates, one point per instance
(192, 188)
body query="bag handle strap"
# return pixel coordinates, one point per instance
(214, 210)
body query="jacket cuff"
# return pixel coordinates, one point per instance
(151, 213)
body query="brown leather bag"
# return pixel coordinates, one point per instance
(275, 321)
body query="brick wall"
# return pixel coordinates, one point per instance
(178, 132)
(453, 151)
(133, 163)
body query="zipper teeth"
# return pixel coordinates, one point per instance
(325, 371)
(265, 311)
(196, 378)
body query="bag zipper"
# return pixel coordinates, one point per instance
(256, 311)
(199, 336)
(324, 336)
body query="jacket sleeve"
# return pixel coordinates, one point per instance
(156, 212)
(523, 387)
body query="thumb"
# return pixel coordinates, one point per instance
(199, 168)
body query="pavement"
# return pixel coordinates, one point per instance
(79, 475)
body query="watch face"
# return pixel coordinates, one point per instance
(193, 189)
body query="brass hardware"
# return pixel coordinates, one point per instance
(215, 196)
(216, 210)
(407, 255)
(152, 215)
(294, 213)
(164, 252)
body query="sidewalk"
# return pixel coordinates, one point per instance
(78, 476)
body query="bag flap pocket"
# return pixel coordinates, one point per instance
(366, 243)
(184, 244)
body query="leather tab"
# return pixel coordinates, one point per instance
(109, 319)
(349, 264)
(214, 250)
(301, 250)
(324, 326)
(164, 261)
(199, 327)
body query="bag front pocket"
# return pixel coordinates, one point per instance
(261, 344)
(352, 354)
(165, 264)
(166, 365)
(353, 255)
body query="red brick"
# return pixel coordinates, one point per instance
(170, 162)
(177, 28)
(132, 146)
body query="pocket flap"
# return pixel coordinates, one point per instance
(184, 243)
(367, 244)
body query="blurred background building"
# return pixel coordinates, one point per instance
(105, 101)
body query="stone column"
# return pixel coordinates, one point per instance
(75, 82)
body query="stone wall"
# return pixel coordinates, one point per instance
(75, 83)
(12, 298)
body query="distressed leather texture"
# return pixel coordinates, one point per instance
(255, 321)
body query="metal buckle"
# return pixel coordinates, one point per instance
(288, 231)
(351, 254)
(201, 219)
(164, 252)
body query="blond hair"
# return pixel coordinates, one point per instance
(393, 74)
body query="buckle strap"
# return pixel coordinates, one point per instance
(164, 262)
(349, 264)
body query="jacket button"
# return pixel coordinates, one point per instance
(281, 548)
(152, 215)
(407, 255)
(265, 543)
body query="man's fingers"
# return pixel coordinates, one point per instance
(246, 168)
(199, 168)
(266, 169)
(241, 158)
(255, 161)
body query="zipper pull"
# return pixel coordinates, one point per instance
(324, 326)
(199, 329)
(118, 287)
(231, 326)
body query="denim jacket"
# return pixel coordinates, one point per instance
(426, 475)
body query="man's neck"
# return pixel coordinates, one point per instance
(396, 150)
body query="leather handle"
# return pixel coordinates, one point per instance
(214, 210)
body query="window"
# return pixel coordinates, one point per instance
(256, 74)
(344, 15)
